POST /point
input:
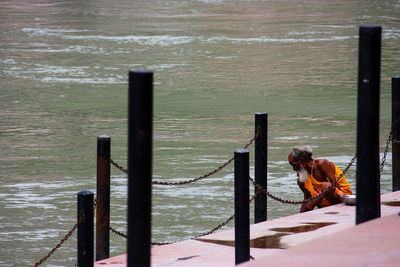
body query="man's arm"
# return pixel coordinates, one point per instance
(310, 205)
(328, 170)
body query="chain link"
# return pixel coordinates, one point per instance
(118, 232)
(206, 233)
(394, 141)
(198, 178)
(68, 235)
(118, 166)
(188, 182)
(227, 220)
(219, 226)
(386, 151)
(126, 236)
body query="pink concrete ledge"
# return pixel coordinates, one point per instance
(327, 237)
(373, 243)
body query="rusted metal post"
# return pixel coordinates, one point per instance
(103, 198)
(242, 206)
(396, 133)
(85, 228)
(368, 167)
(261, 165)
(140, 134)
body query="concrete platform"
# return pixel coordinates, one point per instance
(325, 236)
(374, 243)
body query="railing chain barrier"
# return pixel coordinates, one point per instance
(198, 178)
(68, 235)
(259, 190)
(228, 220)
(207, 233)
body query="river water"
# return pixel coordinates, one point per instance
(64, 68)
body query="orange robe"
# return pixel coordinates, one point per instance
(315, 187)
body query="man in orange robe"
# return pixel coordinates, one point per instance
(316, 175)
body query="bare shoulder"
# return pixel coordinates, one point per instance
(326, 168)
(324, 165)
(323, 162)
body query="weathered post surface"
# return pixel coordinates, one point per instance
(103, 198)
(242, 206)
(140, 131)
(261, 165)
(85, 228)
(396, 133)
(368, 167)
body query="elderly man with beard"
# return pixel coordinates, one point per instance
(316, 175)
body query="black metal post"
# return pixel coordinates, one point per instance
(260, 165)
(140, 131)
(85, 228)
(242, 206)
(103, 198)
(368, 167)
(396, 133)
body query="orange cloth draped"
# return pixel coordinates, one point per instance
(315, 187)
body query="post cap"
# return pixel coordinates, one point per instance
(241, 150)
(85, 192)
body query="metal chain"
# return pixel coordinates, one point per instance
(58, 245)
(68, 235)
(207, 233)
(118, 232)
(268, 194)
(259, 190)
(217, 227)
(118, 166)
(187, 182)
(159, 244)
(183, 182)
(227, 220)
(198, 178)
(386, 151)
(394, 141)
(320, 195)
(126, 236)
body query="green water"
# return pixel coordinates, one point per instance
(64, 68)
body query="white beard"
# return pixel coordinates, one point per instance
(303, 175)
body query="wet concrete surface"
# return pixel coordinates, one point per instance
(328, 236)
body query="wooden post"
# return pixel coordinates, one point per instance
(140, 131)
(103, 198)
(368, 167)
